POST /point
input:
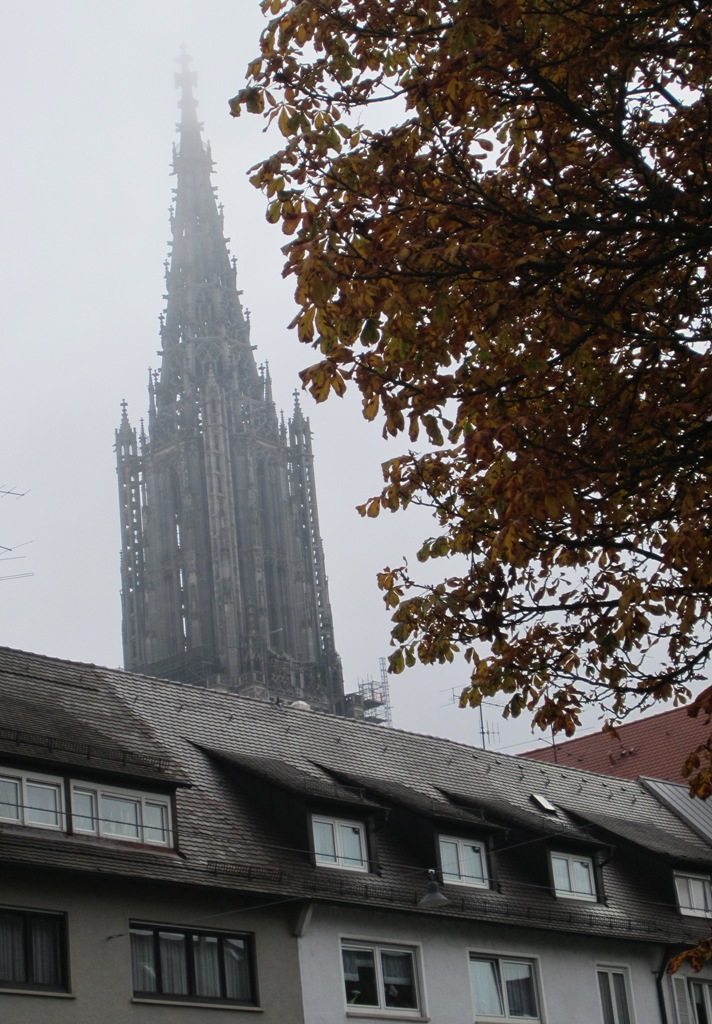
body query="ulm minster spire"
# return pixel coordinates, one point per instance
(222, 566)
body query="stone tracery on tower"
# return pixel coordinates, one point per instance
(222, 565)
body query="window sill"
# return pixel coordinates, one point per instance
(365, 1014)
(576, 897)
(344, 868)
(192, 1004)
(477, 886)
(42, 993)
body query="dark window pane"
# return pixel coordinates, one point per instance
(45, 941)
(606, 1000)
(236, 955)
(621, 999)
(191, 965)
(399, 979)
(519, 985)
(698, 998)
(31, 950)
(360, 977)
(12, 949)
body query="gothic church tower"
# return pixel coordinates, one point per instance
(222, 567)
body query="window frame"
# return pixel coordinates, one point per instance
(609, 970)
(692, 876)
(24, 779)
(140, 797)
(377, 947)
(60, 938)
(506, 1017)
(462, 879)
(705, 987)
(574, 894)
(343, 863)
(189, 935)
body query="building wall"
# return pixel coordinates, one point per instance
(99, 911)
(565, 967)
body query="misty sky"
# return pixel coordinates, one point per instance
(88, 121)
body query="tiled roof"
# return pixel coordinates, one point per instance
(64, 713)
(255, 770)
(655, 745)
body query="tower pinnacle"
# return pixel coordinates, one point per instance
(223, 578)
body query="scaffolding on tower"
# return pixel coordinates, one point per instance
(375, 697)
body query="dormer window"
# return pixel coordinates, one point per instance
(573, 876)
(694, 897)
(121, 814)
(463, 862)
(30, 799)
(339, 844)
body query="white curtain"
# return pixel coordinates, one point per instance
(143, 966)
(485, 988)
(120, 817)
(174, 973)
(206, 958)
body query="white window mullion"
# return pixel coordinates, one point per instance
(694, 894)
(125, 815)
(381, 977)
(463, 862)
(339, 844)
(30, 799)
(573, 876)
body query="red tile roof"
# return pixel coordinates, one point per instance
(655, 746)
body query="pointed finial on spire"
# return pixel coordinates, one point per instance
(124, 433)
(185, 80)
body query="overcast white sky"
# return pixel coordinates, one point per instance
(88, 120)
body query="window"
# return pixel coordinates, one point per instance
(380, 977)
(192, 966)
(573, 876)
(38, 800)
(701, 997)
(503, 989)
(29, 799)
(339, 844)
(614, 995)
(693, 895)
(32, 950)
(120, 814)
(463, 862)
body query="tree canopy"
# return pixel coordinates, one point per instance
(515, 273)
